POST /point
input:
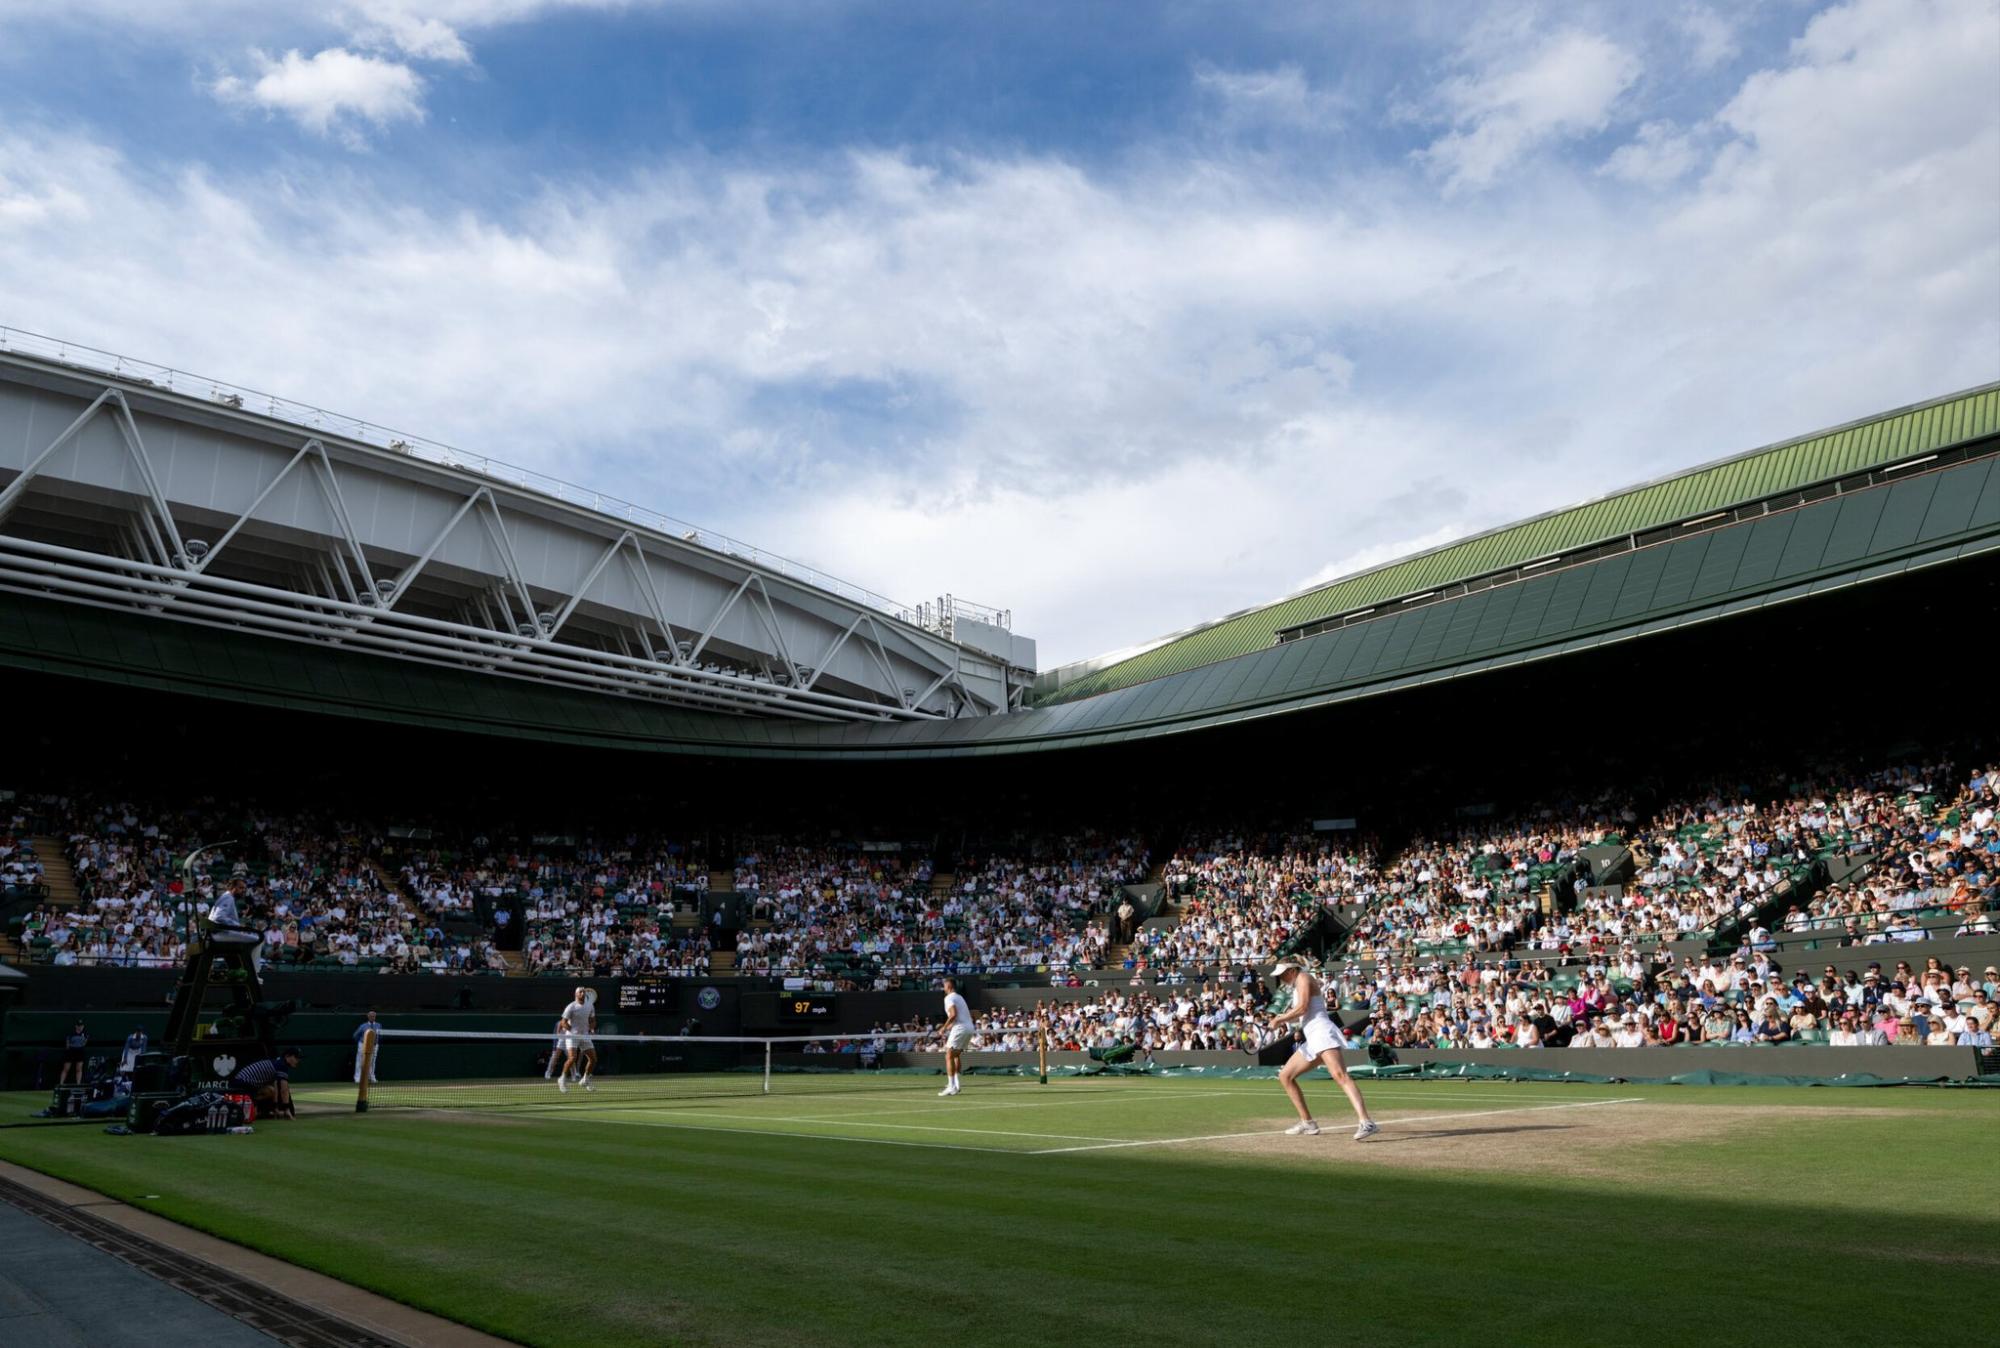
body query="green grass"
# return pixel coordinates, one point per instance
(785, 1218)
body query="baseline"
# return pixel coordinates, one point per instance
(1275, 1132)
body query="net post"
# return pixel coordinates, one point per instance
(364, 1068)
(1042, 1047)
(767, 1067)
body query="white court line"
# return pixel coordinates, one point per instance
(808, 1137)
(1167, 1093)
(556, 1111)
(1279, 1132)
(959, 1105)
(1090, 1143)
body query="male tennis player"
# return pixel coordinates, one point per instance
(1323, 1043)
(957, 1034)
(555, 1052)
(579, 1023)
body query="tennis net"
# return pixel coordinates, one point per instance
(465, 1069)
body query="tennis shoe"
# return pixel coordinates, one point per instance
(562, 1084)
(1367, 1130)
(946, 1091)
(1304, 1129)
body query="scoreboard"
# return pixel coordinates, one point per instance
(656, 995)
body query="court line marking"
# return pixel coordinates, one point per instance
(624, 1118)
(1124, 1093)
(1153, 1093)
(556, 1111)
(816, 1137)
(1279, 1132)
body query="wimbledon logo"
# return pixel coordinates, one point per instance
(709, 998)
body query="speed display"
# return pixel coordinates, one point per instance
(806, 1006)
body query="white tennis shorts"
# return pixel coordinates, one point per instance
(957, 1039)
(1321, 1035)
(579, 1043)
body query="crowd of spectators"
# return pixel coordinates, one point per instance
(21, 870)
(1937, 852)
(1241, 895)
(1917, 848)
(1135, 1022)
(1704, 863)
(1654, 999)
(586, 906)
(126, 917)
(872, 916)
(144, 875)
(819, 908)
(1029, 903)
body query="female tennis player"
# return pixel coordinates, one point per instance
(1322, 1046)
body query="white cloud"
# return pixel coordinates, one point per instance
(422, 39)
(360, 72)
(1281, 95)
(433, 30)
(1515, 102)
(328, 92)
(1659, 154)
(1711, 37)
(1117, 402)
(1380, 554)
(35, 202)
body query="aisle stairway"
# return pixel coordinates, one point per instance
(56, 871)
(61, 885)
(1169, 911)
(391, 882)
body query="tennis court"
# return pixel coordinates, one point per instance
(848, 1208)
(999, 1114)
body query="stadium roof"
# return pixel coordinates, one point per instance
(1928, 512)
(1928, 500)
(1720, 485)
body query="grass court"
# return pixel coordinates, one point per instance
(1117, 1211)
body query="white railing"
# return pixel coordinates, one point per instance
(305, 415)
(940, 615)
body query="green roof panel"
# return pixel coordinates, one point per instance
(1787, 466)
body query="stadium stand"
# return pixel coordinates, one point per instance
(1121, 1023)
(1913, 844)
(593, 906)
(143, 871)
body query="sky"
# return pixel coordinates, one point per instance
(1119, 316)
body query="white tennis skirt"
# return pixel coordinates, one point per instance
(1322, 1034)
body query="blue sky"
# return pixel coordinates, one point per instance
(1119, 316)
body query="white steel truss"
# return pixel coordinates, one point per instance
(672, 627)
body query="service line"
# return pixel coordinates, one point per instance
(1397, 1123)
